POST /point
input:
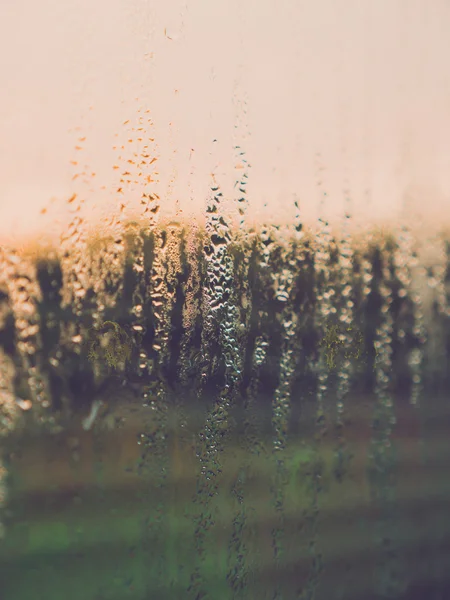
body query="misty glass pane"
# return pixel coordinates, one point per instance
(224, 300)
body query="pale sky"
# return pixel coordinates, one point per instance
(354, 94)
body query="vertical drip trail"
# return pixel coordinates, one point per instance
(281, 412)
(237, 574)
(348, 342)
(189, 271)
(107, 272)
(139, 175)
(189, 358)
(265, 251)
(159, 292)
(407, 274)
(208, 446)
(139, 320)
(257, 317)
(431, 275)
(256, 445)
(382, 455)
(136, 258)
(285, 288)
(260, 248)
(75, 275)
(8, 404)
(165, 267)
(8, 419)
(439, 282)
(25, 294)
(220, 317)
(191, 307)
(73, 257)
(9, 408)
(323, 294)
(141, 292)
(241, 163)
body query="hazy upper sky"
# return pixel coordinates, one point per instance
(328, 98)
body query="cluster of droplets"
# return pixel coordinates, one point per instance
(285, 287)
(137, 157)
(8, 418)
(74, 258)
(241, 162)
(154, 255)
(106, 269)
(288, 317)
(267, 243)
(191, 311)
(25, 295)
(323, 293)
(219, 308)
(253, 441)
(237, 568)
(138, 176)
(136, 257)
(165, 267)
(237, 574)
(346, 339)
(382, 461)
(383, 365)
(260, 249)
(146, 247)
(9, 406)
(438, 279)
(165, 273)
(221, 320)
(76, 281)
(408, 270)
(155, 437)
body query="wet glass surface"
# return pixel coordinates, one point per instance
(224, 301)
(228, 415)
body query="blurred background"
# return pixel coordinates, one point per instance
(278, 427)
(330, 100)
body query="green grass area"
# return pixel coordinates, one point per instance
(107, 544)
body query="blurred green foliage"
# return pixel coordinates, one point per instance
(109, 345)
(342, 343)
